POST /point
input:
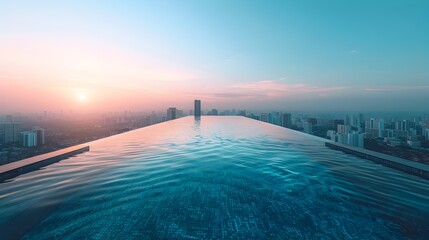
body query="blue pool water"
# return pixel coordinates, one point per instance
(214, 178)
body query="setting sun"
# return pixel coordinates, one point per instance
(82, 97)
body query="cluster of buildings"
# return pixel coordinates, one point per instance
(354, 130)
(11, 132)
(347, 134)
(406, 132)
(173, 113)
(276, 118)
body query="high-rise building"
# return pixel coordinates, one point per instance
(341, 138)
(171, 113)
(338, 122)
(286, 120)
(361, 141)
(28, 139)
(264, 117)
(274, 118)
(197, 108)
(344, 129)
(270, 117)
(381, 128)
(331, 135)
(354, 139)
(372, 123)
(214, 112)
(9, 132)
(40, 135)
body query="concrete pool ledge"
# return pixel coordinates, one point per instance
(408, 166)
(17, 168)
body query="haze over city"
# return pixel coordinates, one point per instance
(145, 55)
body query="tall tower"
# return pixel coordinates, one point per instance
(197, 108)
(40, 135)
(28, 139)
(286, 120)
(171, 113)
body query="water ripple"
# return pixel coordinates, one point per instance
(218, 178)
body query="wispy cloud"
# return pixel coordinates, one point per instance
(270, 89)
(397, 88)
(234, 57)
(274, 88)
(354, 51)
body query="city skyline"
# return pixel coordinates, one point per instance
(108, 56)
(192, 119)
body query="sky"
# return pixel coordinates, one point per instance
(274, 55)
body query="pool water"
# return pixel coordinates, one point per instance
(214, 178)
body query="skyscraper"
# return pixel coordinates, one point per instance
(344, 129)
(286, 120)
(372, 123)
(381, 128)
(197, 108)
(28, 139)
(171, 113)
(338, 122)
(9, 132)
(40, 135)
(264, 117)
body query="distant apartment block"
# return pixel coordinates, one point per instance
(9, 132)
(28, 139)
(171, 113)
(286, 120)
(40, 135)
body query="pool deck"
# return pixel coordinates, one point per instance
(17, 168)
(405, 165)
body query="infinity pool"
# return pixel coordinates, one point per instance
(214, 178)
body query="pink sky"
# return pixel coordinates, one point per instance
(43, 75)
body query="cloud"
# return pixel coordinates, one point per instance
(235, 95)
(269, 89)
(234, 57)
(396, 88)
(354, 51)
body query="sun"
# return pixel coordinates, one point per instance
(82, 97)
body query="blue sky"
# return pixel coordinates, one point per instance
(333, 55)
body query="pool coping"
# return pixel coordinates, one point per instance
(408, 166)
(20, 167)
